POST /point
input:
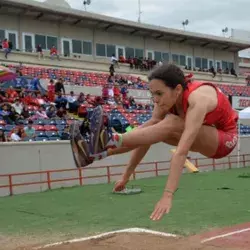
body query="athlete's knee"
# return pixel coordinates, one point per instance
(173, 124)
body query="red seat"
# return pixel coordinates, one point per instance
(50, 128)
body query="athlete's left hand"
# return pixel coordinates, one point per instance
(162, 207)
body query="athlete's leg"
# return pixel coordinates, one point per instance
(79, 146)
(169, 131)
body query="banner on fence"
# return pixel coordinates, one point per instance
(240, 102)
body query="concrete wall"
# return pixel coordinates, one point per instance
(23, 25)
(41, 156)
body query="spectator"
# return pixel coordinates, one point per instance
(61, 113)
(124, 91)
(114, 61)
(39, 51)
(52, 89)
(2, 136)
(25, 112)
(72, 102)
(61, 101)
(51, 112)
(105, 92)
(5, 46)
(29, 130)
(59, 86)
(14, 116)
(212, 70)
(80, 99)
(117, 92)
(65, 134)
(16, 135)
(54, 53)
(40, 114)
(233, 72)
(4, 113)
(17, 105)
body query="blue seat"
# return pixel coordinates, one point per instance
(42, 138)
(61, 122)
(28, 139)
(40, 134)
(60, 127)
(55, 138)
(9, 127)
(49, 122)
(2, 127)
(51, 134)
(39, 122)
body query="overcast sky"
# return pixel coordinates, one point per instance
(205, 16)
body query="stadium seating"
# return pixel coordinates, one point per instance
(235, 90)
(79, 77)
(244, 130)
(100, 79)
(118, 117)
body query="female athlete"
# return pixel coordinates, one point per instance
(193, 116)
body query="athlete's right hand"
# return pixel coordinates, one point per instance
(120, 185)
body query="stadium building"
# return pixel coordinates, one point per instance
(84, 38)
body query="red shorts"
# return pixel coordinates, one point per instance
(227, 142)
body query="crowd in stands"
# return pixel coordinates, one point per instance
(146, 64)
(214, 72)
(142, 64)
(29, 112)
(7, 46)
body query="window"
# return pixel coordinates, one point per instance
(165, 57)
(129, 52)
(28, 42)
(230, 65)
(100, 49)
(175, 58)
(197, 62)
(150, 54)
(224, 65)
(13, 37)
(139, 53)
(110, 50)
(204, 63)
(77, 46)
(158, 56)
(87, 48)
(2, 35)
(120, 51)
(51, 41)
(211, 63)
(40, 39)
(182, 60)
(66, 46)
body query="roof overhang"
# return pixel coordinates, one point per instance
(44, 12)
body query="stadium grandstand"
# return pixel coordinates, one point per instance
(91, 59)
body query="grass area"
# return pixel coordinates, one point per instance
(204, 200)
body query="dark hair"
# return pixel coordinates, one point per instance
(170, 74)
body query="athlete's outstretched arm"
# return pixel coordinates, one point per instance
(138, 153)
(194, 120)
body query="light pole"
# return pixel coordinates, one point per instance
(87, 2)
(140, 12)
(224, 31)
(185, 23)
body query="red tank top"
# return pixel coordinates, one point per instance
(223, 117)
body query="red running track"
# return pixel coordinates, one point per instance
(231, 237)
